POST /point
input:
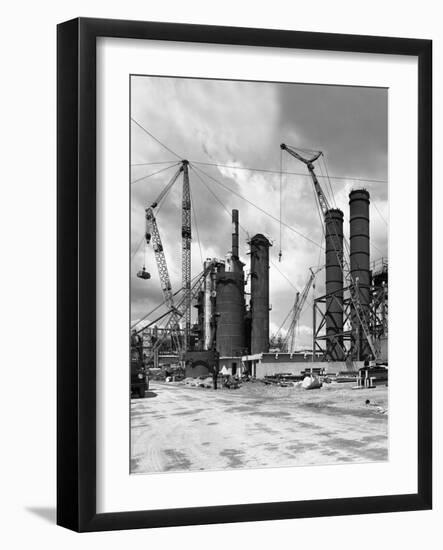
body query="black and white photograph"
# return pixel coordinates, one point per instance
(219, 202)
(259, 274)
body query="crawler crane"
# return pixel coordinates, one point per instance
(152, 234)
(325, 207)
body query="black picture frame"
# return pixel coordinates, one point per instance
(76, 281)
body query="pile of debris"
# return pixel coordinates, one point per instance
(284, 380)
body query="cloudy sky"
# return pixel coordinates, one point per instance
(241, 125)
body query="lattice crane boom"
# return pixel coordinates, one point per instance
(299, 304)
(186, 250)
(152, 234)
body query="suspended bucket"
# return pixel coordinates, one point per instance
(143, 274)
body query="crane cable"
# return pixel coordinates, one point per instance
(163, 303)
(154, 173)
(194, 214)
(161, 202)
(379, 213)
(218, 200)
(152, 311)
(281, 178)
(156, 139)
(307, 299)
(258, 208)
(284, 276)
(335, 204)
(134, 164)
(280, 328)
(138, 247)
(303, 149)
(328, 181)
(250, 169)
(269, 171)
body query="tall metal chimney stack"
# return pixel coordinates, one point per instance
(230, 301)
(260, 293)
(235, 233)
(359, 244)
(334, 284)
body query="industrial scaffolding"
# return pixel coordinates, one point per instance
(347, 341)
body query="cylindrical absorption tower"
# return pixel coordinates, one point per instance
(260, 293)
(230, 302)
(360, 274)
(334, 284)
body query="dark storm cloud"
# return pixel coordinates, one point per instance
(348, 124)
(242, 124)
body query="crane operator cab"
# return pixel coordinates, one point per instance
(139, 373)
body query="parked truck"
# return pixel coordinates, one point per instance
(139, 372)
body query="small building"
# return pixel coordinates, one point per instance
(269, 364)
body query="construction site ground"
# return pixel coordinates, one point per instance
(181, 428)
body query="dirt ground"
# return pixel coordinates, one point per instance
(177, 427)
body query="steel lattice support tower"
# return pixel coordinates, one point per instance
(186, 250)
